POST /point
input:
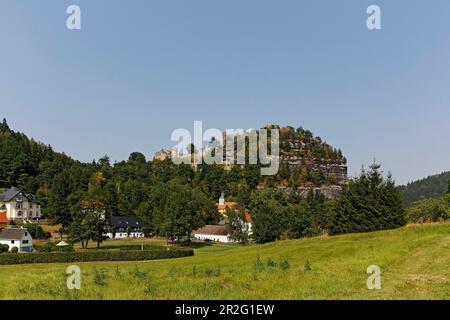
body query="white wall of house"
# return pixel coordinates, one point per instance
(124, 235)
(24, 245)
(212, 237)
(22, 210)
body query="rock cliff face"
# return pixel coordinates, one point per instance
(331, 193)
(306, 161)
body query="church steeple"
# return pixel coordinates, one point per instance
(222, 199)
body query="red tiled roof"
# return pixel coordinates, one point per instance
(3, 218)
(94, 204)
(227, 205)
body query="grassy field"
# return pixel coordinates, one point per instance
(415, 264)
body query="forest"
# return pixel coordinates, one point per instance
(173, 200)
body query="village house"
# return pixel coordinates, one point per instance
(118, 227)
(221, 231)
(19, 205)
(215, 233)
(17, 237)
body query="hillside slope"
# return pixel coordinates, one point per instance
(413, 262)
(431, 187)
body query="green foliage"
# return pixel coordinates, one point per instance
(308, 266)
(14, 250)
(284, 264)
(171, 199)
(239, 228)
(368, 203)
(429, 210)
(276, 216)
(4, 248)
(35, 230)
(266, 207)
(97, 255)
(88, 224)
(431, 187)
(50, 246)
(178, 209)
(100, 276)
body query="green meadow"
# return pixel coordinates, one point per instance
(415, 264)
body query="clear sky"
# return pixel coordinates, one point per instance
(140, 69)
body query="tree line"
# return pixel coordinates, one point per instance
(173, 200)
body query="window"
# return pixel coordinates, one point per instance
(18, 205)
(19, 197)
(20, 213)
(12, 241)
(25, 241)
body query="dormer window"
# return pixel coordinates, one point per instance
(19, 197)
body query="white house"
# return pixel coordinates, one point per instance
(118, 227)
(220, 232)
(17, 237)
(216, 233)
(19, 205)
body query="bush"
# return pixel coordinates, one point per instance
(4, 248)
(100, 277)
(35, 230)
(63, 257)
(429, 210)
(14, 250)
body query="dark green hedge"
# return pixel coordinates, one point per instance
(54, 257)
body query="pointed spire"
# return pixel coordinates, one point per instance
(222, 199)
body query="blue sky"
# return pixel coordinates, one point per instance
(140, 69)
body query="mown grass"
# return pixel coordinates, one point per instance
(415, 264)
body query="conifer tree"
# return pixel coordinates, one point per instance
(368, 203)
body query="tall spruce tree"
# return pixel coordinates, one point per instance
(368, 203)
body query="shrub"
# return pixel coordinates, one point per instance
(137, 273)
(14, 250)
(308, 266)
(100, 277)
(35, 230)
(284, 264)
(258, 265)
(212, 272)
(62, 257)
(271, 263)
(429, 210)
(4, 248)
